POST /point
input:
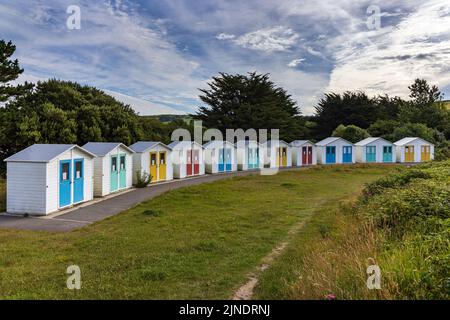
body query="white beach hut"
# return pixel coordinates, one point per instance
(374, 150)
(219, 156)
(303, 153)
(334, 150)
(414, 149)
(248, 155)
(278, 153)
(113, 167)
(152, 158)
(44, 178)
(187, 159)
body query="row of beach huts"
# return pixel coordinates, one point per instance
(45, 178)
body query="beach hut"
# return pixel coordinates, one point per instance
(303, 153)
(187, 159)
(248, 152)
(45, 178)
(335, 150)
(113, 167)
(278, 153)
(376, 150)
(414, 149)
(152, 158)
(219, 156)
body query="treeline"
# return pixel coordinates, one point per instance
(57, 111)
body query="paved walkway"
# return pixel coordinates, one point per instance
(89, 213)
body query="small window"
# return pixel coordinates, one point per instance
(122, 163)
(114, 164)
(162, 158)
(153, 159)
(65, 172)
(78, 170)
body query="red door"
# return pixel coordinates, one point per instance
(189, 162)
(304, 155)
(310, 155)
(196, 161)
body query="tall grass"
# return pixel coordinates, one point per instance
(401, 223)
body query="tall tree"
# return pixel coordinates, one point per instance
(249, 101)
(9, 71)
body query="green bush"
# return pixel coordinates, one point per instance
(142, 179)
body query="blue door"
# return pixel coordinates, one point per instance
(64, 183)
(387, 154)
(371, 154)
(331, 155)
(346, 154)
(221, 160)
(227, 156)
(78, 180)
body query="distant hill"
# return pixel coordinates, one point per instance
(170, 117)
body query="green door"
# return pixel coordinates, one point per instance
(114, 183)
(123, 171)
(371, 154)
(387, 154)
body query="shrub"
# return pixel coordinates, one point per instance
(142, 179)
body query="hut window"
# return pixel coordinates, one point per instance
(78, 170)
(65, 171)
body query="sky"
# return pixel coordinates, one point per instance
(155, 55)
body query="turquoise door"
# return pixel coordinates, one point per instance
(371, 154)
(114, 182)
(65, 189)
(123, 171)
(251, 157)
(227, 156)
(346, 154)
(78, 180)
(331, 155)
(387, 154)
(221, 160)
(256, 158)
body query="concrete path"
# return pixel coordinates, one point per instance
(88, 213)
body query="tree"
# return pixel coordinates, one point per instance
(350, 133)
(425, 106)
(384, 129)
(249, 101)
(9, 71)
(417, 130)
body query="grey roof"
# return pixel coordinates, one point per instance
(370, 140)
(298, 143)
(181, 144)
(329, 140)
(101, 149)
(142, 146)
(407, 140)
(44, 152)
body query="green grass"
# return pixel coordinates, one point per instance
(198, 242)
(2, 195)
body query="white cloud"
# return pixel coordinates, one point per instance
(296, 62)
(269, 39)
(388, 60)
(225, 36)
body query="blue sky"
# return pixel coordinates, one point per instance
(155, 55)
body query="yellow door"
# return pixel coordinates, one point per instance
(425, 153)
(284, 156)
(153, 166)
(409, 154)
(278, 157)
(162, 166)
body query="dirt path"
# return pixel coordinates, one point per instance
(245, 292)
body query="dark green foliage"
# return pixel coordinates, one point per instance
(9, 71)
(350, 133)
(250, 101)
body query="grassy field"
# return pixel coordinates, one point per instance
(2, 195)
(402, 224)
(198, 242)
